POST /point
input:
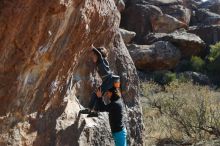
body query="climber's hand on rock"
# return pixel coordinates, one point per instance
(92, 46)
(99, 92)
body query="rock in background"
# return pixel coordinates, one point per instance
(138, 17)
(190, 25)
(189, 44)
(158, 56)
(172, 43)
(210, 34)
(46, 76)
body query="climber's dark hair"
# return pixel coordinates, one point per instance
(103, 51)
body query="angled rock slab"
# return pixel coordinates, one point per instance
(127, 36)
(179, 12)
(166, 24)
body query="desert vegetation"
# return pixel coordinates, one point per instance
(180, 113)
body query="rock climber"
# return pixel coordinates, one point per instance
(99, 57)
(114, 106)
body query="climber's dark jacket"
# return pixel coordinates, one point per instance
(116, 112)
(107, 76)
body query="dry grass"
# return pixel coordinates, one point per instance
(180, 112)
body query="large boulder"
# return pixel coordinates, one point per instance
(127, 36)
(188, 43)
(179, 12)
(138, 17)
(166, 24)
(207, 4)
(174, 8)
(46, 76)
(196, 77)
(129, 3)
(210, 34)
(215, 8)
(165, 2)
(158, 3)
(145, 16)
(205, 17)
(214, 142)
(192, 4)
(158, 56)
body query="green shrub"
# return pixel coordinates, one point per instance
(214, 57)
(182, 78)
(197, 64)
(214, 52)
(169, 77)
(164, 77)
(214, 66)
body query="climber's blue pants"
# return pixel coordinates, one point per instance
(120, 138)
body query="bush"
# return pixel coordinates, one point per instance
(214, 66)
(186, 112)
(184, 65)
(214, 58)
(197, 64)
(214, 52)
(164, 77)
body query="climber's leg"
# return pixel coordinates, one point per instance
(120, 138)
(92, 105)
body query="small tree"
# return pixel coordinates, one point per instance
(197, 64)
(214, 58)
(214, 52)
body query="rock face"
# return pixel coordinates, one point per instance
(161, 55)
(165, 2)
(188, 43)
(46, 76)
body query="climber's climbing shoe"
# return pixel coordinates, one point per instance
(84, 111)
(93, 114)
